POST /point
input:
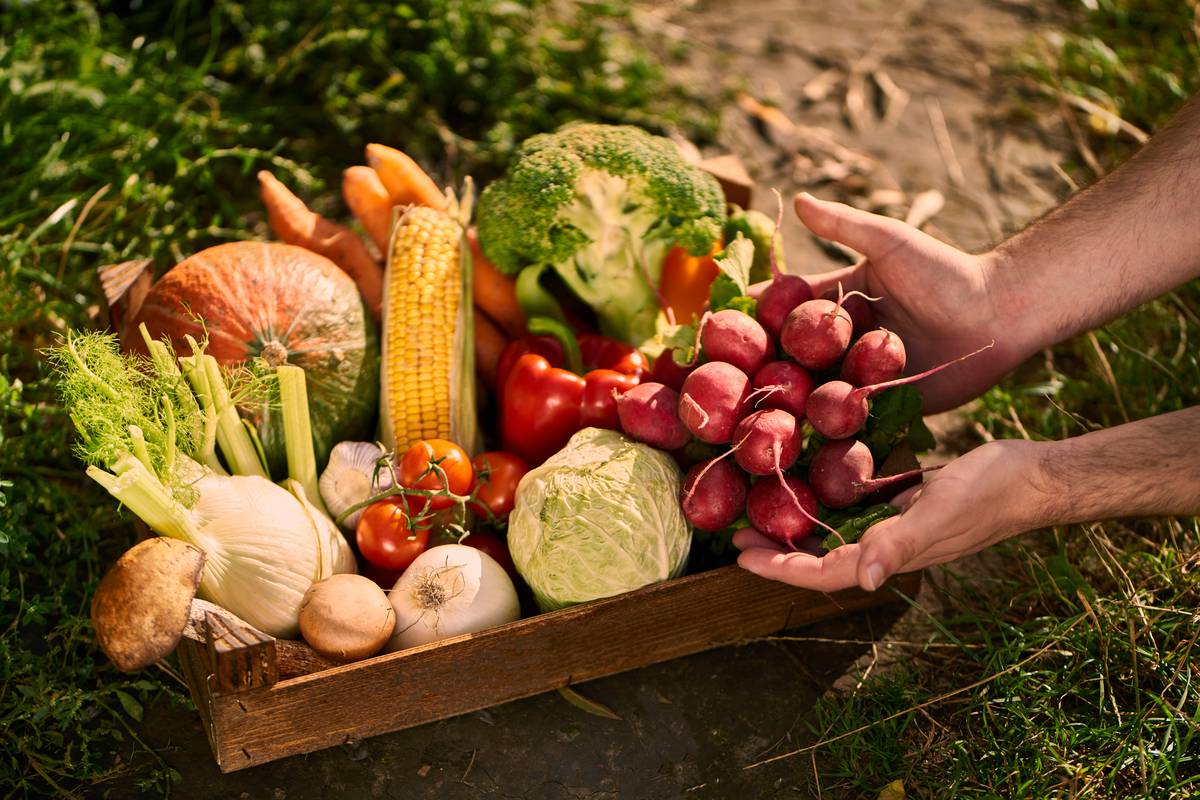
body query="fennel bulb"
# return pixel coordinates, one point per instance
(265, 544)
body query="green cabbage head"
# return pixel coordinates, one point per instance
(599, 518)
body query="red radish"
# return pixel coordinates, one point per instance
(782, 508)
(766, 441)
(782, 384)
(714, 494)
(784, 292)
(837, 410)
(778, 299)
(876, 357)
(860, 311)
(816, 333)
(667, 372)
(733, 336)
(649, 413)
(841, 473)
(713, 400)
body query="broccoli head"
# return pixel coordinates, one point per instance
(601, 205)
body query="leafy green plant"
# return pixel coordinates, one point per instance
(1138, 59)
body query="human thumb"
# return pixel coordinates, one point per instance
(870, 234)
(887, 547)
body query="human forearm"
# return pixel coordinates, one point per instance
(1123, 241)
(1146, 468)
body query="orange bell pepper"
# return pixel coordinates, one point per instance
(686, 280)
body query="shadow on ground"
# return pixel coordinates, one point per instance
(688, 728)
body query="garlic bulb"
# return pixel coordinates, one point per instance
(350, 478)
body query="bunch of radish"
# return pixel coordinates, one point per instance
(753, 384)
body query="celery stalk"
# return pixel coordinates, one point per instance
(205, 377)
(164, 363)
(141, 492)
(297, 432)
(207, 452)
(139, 447)
(169, 448)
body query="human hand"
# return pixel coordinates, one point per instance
(942, 302)
(991, 493)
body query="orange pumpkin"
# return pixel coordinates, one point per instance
(285, 304)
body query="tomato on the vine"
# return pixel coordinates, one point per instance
(452, 460)
(498, 473)
(389, 540)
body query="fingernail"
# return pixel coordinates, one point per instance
(874, 576)
(806, 196)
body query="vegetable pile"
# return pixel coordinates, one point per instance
(598, 331)
(742, 382)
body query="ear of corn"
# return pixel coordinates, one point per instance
(428, 371)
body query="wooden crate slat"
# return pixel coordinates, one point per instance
(524, 658)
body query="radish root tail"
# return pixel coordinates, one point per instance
(796, 500)
(874, 484)
(765, 391)
(879, 387)
(710, 465)
(843, 296)
(687, 398)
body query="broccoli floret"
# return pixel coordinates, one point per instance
(602, 205)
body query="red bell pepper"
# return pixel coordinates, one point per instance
(542, 404)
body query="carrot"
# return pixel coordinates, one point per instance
(406, 182)
(495, 292)
(369, 202)
(294, 223)
(489, 344)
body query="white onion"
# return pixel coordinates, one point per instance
(447, 591)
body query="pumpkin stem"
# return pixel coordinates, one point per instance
(274, 354)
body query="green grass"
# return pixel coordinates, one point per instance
(1074, 671)
(136, 134)
(118, 140)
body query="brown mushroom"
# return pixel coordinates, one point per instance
(144, 602)
(346, 617)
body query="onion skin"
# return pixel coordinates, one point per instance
(447, 591)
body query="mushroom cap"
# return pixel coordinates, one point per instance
(142, 604)
(346, 617)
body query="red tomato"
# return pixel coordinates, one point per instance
(499, 473)
(495, 547)
(415, 471)
(388, 540)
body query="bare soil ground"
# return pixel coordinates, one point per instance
(879, 101)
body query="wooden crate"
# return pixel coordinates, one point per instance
(272, 719)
